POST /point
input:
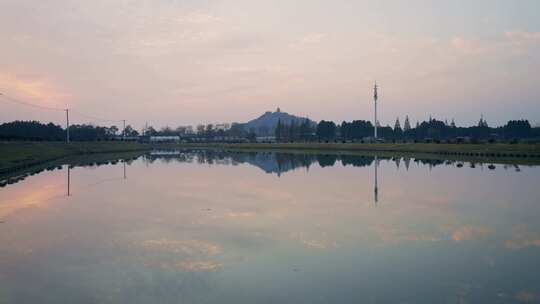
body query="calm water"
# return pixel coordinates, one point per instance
(217, 227)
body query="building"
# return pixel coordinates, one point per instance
(164, 138)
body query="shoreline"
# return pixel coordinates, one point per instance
(19, 156)
(487, 150)
(500, 153)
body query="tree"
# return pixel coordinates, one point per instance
(112, 131)
(167, 131)
(517, 129)
(278, 130)
(398, 132)
(407, 124)
(209, 130)
(236, 130)
(150, 131)
(31, 130)
(189, 130)
(252, 137)
(397, 125)
(200, 130)
(357, 129)
(326, 130)
(130, 132)
(181, 131)
(87, 132)
(482, 123)
(306, 130)
(293, 130)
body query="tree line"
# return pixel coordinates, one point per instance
(431, 130)
(208, 131)
(36, 131)
(297, 130)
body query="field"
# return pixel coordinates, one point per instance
(16, 156)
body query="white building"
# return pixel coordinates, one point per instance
(164, 138)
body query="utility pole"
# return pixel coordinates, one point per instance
(124, 130)
(375, 97)
(67, 126)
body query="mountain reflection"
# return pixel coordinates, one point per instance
(269, 162)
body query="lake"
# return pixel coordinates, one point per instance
(210, 226)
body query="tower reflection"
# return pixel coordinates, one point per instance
(376, 189)
(68, 180)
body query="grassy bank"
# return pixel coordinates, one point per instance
(15, 156)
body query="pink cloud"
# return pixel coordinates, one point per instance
(41, 91)
(468, 46)
(522, 35)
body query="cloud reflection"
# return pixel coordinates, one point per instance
(522, 237)
(181, 222)
(186, 255)
(191, 247)
(468, 233)
(38, 196)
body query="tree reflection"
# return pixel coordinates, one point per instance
(269, 161)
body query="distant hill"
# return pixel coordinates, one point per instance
(266, 123)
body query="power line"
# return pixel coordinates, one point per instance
(95, 117)
(17, 101)
(13, 100)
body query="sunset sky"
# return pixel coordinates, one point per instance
(172, 62)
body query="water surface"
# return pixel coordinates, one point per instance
(234, 227)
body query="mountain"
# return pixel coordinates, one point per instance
(266, 123)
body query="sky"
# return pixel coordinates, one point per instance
(172, 62)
